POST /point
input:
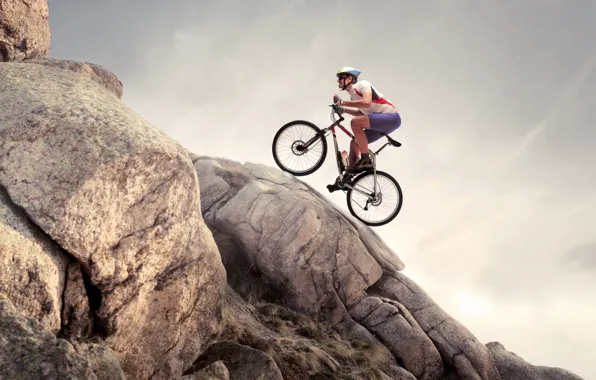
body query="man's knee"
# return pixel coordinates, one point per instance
(359, 122)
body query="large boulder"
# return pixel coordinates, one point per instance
(122, 199)
(24, 29)
(287, 233)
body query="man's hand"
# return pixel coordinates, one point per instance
(337, 100)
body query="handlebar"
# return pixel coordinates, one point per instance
(335, 109)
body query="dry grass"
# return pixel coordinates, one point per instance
(301, 347)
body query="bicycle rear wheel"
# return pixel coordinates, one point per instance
(299, 148)
(374, 208)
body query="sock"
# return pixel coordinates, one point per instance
(365, 157)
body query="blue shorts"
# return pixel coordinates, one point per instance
(381, 123)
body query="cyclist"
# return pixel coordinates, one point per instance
(373, 115)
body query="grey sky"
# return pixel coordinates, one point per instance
(498, 100)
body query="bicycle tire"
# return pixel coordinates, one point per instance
(276, 142)
(360, 178)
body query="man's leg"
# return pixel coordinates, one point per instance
(352, 159)
(354, 153)
(359, 146)
(359, 124)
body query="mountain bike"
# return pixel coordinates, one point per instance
(366, 191)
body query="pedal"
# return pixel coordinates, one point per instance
(333, 187)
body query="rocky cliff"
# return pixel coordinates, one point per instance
(123, 256)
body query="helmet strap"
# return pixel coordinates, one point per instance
(345, 85)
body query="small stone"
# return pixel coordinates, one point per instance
(24, 29)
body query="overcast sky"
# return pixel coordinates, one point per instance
(498, 102)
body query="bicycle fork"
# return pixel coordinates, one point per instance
(304, 147)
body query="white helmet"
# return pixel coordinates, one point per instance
(348, 71)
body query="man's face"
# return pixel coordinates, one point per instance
(343, 80)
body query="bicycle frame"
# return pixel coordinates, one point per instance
(331, 130)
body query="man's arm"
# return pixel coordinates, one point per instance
(352, 112)
(364, 103)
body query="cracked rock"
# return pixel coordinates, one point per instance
(32, 266)
(395, 327)
(77, 316)
(459, 348)
(29, 351)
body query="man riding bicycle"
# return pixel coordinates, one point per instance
(373, 115)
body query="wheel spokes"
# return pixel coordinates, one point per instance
(375, 206)
(290, 148)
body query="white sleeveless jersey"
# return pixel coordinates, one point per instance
(379, 103)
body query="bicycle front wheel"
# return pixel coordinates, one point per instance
(374, 198)
(299, 148)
